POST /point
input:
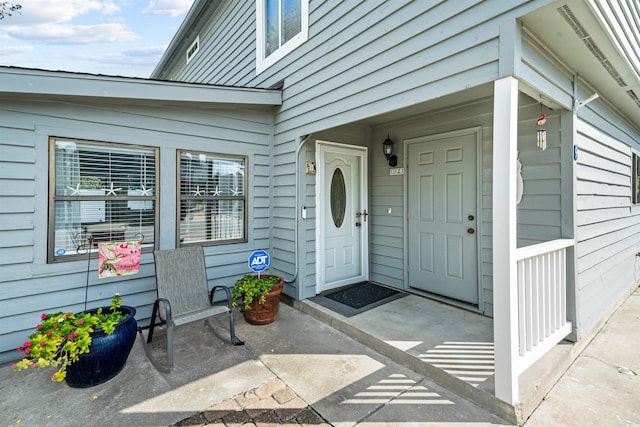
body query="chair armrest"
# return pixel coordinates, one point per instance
(166, 306)
(226, 291)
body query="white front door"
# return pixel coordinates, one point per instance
(442, 195)
(342, 217)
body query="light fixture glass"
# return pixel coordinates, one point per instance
(387, 147)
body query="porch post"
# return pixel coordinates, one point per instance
(505, 298)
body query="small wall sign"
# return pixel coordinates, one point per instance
(311, 167)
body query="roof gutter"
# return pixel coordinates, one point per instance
(56, 84)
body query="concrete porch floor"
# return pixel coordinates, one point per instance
(387, 367)
(296, 371)
(450, 345)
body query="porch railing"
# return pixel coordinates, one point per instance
(542, 299)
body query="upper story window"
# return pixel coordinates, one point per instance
(282, 26)
(212, 199)
(103, 190)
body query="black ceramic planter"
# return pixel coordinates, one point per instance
(107, 353)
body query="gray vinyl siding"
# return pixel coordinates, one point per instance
(361, 59)
(28, 285)
(539, 214)
(608, 225)
(364, 61)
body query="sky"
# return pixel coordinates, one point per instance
(111, 37)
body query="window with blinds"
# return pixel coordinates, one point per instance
(105, 191)
(212, 199)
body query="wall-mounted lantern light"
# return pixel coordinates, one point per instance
(387, 149)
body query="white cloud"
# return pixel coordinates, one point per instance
(15, 50)
(47, 11)
(110, 8)
(72, 34)
(48, 22)
(167, 7)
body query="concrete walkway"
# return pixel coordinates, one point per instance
(300, 371)
(602, 387)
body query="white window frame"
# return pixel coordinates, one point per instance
(263, 62)
(193, 50)
(635, 174)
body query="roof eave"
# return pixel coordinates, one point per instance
(188, 25)
(26, 82)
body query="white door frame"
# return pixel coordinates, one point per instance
(322, 147)
(477, 131)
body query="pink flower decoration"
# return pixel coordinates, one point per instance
(34, 365)
(48, 333)
(27, 344)
(68, 315)
(44, 316)
(81, 322)
(13, 366)
(39, 326)
(27, 351)
(42, 343)
(127, 263)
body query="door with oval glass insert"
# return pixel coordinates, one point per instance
(342, 216)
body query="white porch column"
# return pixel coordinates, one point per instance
(505, 298)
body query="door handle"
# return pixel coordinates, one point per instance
(362, 214)
(471, 230)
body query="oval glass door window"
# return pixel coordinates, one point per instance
(338, 198)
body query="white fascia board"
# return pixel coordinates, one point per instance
(52, 83)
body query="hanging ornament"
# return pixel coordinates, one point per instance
(541, 134)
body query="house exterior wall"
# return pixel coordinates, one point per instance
(30, 286)
(608, 224)
(368, 59)
(539, 213)
(362, 59)
(605, 223)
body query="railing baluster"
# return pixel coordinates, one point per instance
(542, 287)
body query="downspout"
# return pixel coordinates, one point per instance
(301, 142)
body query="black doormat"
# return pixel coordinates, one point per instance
(357, 298)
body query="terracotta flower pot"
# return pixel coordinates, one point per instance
(263, 314)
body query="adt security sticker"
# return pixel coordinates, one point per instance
(258, 261)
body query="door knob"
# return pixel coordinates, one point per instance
(470, 230)
(471, 217)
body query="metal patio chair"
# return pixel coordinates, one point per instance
(183, 297)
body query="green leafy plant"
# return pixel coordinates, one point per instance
(251, 287)
(62, 337)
